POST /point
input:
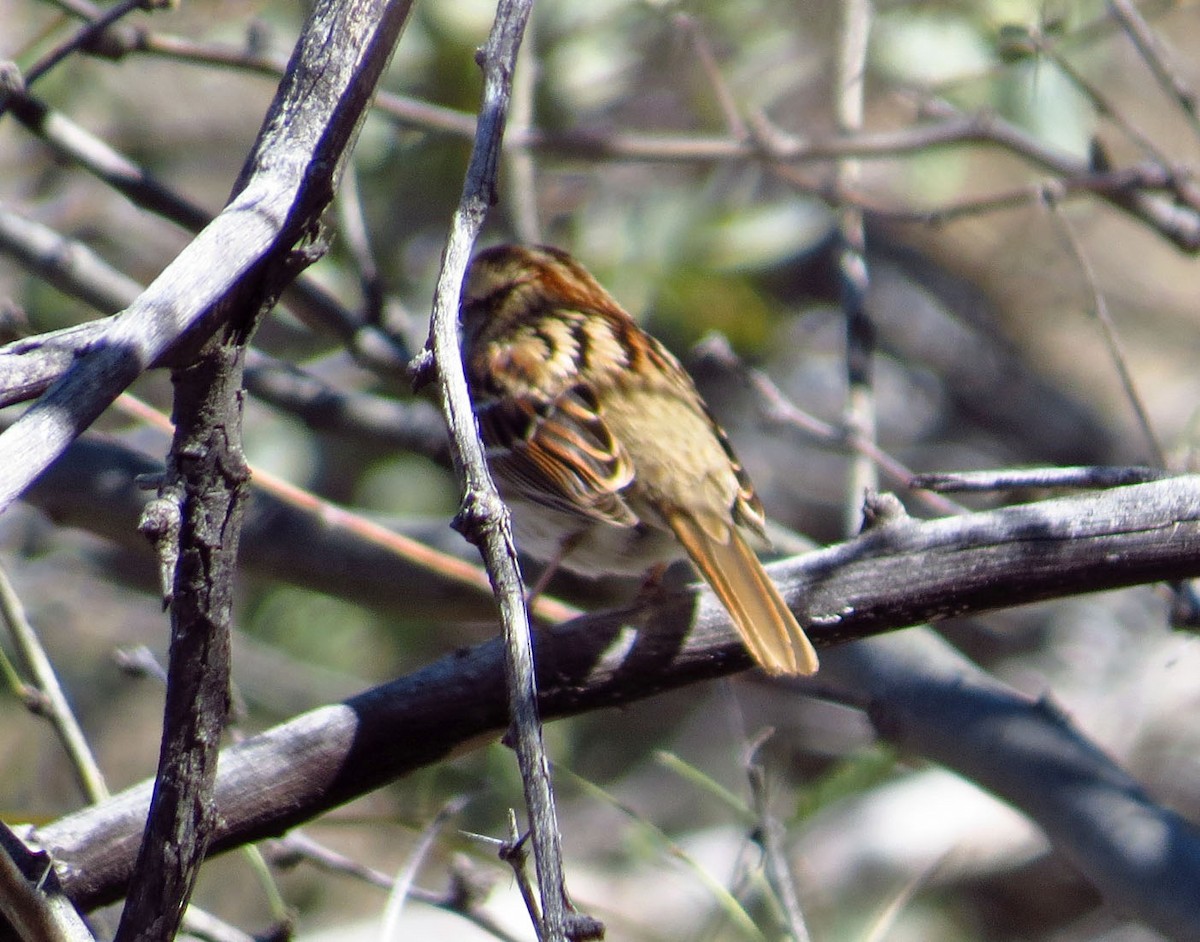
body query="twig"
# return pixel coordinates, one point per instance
(730, 905)
(205, 926)
(1011, 479)
(483, 518)
(735, 124)
(1150, 48)
(859, 414)
(52, 702)
(521, 194)
(462, 898)
(357, 238)
(31, 898)
(771, 834)
(94, 487)
(1036, 42)
(86, 36)
(515, 853)
(402, 886)
(1099, 309)
(777, 409)
(68, 264)
(94, 155)
(331, 515)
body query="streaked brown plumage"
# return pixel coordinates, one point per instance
(603, 448)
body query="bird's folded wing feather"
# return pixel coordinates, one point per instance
(560, 454)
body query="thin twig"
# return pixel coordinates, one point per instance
(85, 36)
(1011, 479)
(357, 237)
(198, 924)
(402, 886)
(777, 409)
(1035, 42)
(515, 853)
(735, 124)
(52, 702)
(859, 414)
(771, 834)
(483, 517)
(332, 515)
(462, 897)
(1108, 329)
(521, 194)
(730, 905)
(1150, 48)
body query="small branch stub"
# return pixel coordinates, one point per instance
(160, 524)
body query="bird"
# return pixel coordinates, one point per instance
(602, 447)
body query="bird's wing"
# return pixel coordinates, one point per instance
(559, 453)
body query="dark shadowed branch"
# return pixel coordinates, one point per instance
(195, 523)
(899, 574)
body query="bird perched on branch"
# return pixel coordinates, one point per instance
(600, 444)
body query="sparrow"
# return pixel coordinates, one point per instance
(602, 448)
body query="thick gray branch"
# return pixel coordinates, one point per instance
(900, 574)
(286, 183)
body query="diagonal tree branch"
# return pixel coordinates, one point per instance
(900, 573)
(285, 185)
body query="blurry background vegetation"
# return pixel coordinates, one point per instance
(696, 246)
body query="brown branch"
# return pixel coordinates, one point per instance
(898, 574)
(94, 487)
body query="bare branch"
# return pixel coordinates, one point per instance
(1012, 479)
(878, 582)
(51, 699)
(277, 200)
(1128, 189)
(859, 411)
(1150, 47)
(31, 898)
(205, 487)
(483, 518)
